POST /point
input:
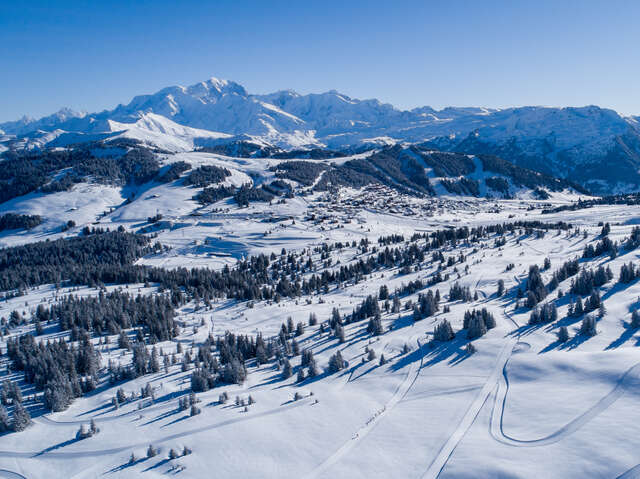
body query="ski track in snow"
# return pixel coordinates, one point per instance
(171, 437)
(441, 459)
(630, 378)
(11, 475)
(398, 395)
(633, 473)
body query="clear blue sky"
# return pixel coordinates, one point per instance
(94, 55)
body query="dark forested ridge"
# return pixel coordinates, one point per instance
(12, 221)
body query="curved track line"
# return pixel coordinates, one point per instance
(10, 474)
(629, 378)
(468, 419)
(633, 473)
(398, 395)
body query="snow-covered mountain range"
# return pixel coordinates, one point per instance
(591, 145)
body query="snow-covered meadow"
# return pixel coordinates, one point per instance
(522, 405)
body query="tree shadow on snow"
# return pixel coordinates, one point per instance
(627, 334)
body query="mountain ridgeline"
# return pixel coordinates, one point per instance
(592, 146)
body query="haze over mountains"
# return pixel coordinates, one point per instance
(595, 147)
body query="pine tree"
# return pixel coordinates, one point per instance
(563, 334)
(21, 418)
(151, 451)
(588, 326)
(287, 370)
(312, 370)
(371, 355)
(383, 361)
(635, 319)
(477, 327)
(375, 326)
(340, 334)
(443, 331)
(5, 422)
(336, 363)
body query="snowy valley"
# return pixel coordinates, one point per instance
(315, 286)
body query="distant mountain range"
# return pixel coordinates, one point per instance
(595, 147)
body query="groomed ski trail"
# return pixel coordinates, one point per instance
(468, 419)
(630, 378)
(398, 395)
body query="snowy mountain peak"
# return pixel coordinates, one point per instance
(553, 140)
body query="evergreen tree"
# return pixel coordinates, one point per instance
(5, 422)
(287, 370)
(21, 418)
(151, 451)
(336, 363)
(563, 334)
(477, 327)
(443, 331)
(375, 326)
(312, 370)
(588, 326)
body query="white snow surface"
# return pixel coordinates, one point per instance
(523, 405)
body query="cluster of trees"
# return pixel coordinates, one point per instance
(568, 269)
(213, 194)
(206, 175)
(229, 365)
(336, 363)
(113, 312)
(28, 171)
(605, 245)
(20, 421)
(247, 193)
(174, 171)
(11, 395)
(589, 279)
(62, 370)
(13, 221)
(523, 176)
(547, 313)
(477, 322)
(427, 305)
(628, 273)
(459, 293)
(593, 302)
(462, 186)
(97, 258)
(443, 331)
(497, 183)
(536, 289)
(367, 309)
(65, 183)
